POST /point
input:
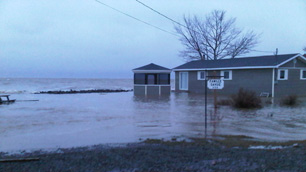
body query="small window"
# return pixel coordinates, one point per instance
(227, 74)
(303, 74)
(201, 75)
(282, 74)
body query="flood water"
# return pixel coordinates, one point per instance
(70, 120)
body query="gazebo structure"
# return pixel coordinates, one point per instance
(152, 80)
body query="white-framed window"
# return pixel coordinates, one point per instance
(201, 75)
(282, 74)
(227, 74)
(303, 74)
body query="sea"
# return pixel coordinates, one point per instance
(52, 121)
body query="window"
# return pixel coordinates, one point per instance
(201, 75)
(152, 79)
(164, 79)
(139, 78)
(227, 74)
(303, 74)
(282, 74)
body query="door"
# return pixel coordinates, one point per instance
(151, 79)
(183, 81)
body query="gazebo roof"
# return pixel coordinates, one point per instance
(151, 68)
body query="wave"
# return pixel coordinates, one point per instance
(61, 90)
(13, 91)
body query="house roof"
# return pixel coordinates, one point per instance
(152, 68)
(271, 61)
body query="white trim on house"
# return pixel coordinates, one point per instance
(245, 67)
(301, 74)
(199, 75)
(285, 74)
(152, 71)
(230, 75)
(293, 68)
(299, 55)
(273, 82)
(187, 81)
(229, 68)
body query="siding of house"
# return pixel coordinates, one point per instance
(139, 90)
(258, 80)
(176, 81)
(152, 90)
(294, 85)
(299, 63)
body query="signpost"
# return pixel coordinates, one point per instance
(213, 84)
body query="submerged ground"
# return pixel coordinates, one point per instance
(63, 121)
(231, 154)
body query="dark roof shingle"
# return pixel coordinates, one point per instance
(259, 61)
(151, 66)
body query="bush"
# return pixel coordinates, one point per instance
(246, 99)
(291, 100)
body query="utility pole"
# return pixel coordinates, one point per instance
(276, 53)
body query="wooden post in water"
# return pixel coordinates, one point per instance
(215, 92)
(206, 77)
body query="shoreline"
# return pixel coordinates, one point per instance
(232, 153)
(84, 91)
(228, 140)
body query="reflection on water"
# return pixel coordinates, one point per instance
(87, 119)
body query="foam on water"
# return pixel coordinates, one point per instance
(12, 91)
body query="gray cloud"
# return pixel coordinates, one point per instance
(81, 38)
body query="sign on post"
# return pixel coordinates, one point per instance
(215, 84)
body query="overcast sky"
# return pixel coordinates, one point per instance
(82, 38)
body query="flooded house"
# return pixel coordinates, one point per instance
(275, 75)
(152, 80)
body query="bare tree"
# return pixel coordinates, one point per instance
(214, 37)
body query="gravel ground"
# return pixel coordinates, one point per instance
(156, 155)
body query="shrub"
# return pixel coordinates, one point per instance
(291, 100)
(246, 99)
